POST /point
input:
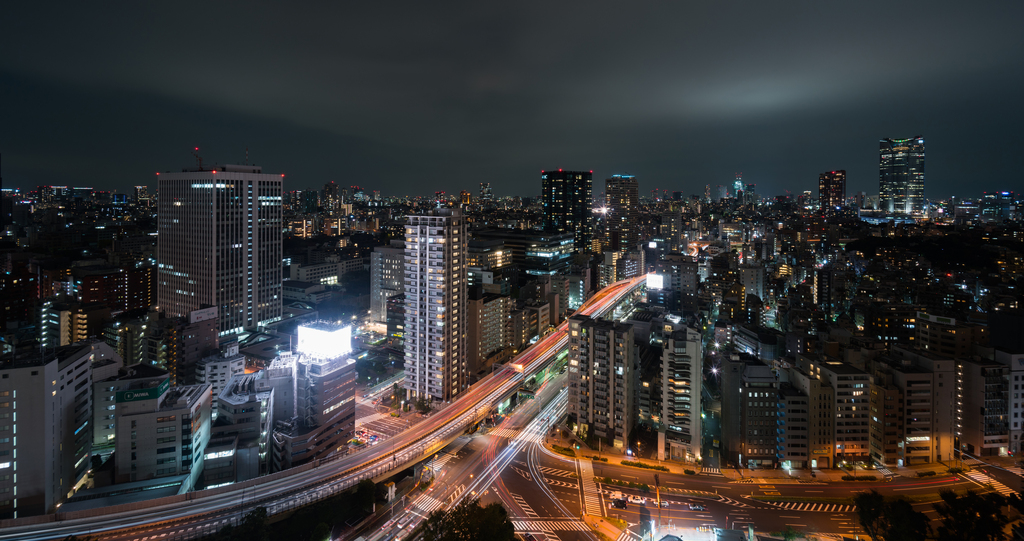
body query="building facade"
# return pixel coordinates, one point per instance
(681, 377)
(901, 176)
(832, 191)
(602, 379)
(567, 199)
(219, 244)
(436, 292)
(387, 278)
(621, 220)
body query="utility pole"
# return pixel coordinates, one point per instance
(657, 494)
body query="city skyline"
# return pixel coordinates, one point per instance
(711, 79)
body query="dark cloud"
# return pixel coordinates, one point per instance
(413, 97)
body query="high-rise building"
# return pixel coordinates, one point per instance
(831, 190)
(487, 326)
(737, 185)
(567, 205)
(486, 196)
(435, 305)
(602, 379)
(387, 278)
(901, 176)
(46, 415)
(219, 245)
(331, 197)
(681, 377)
(622, 200)
(142, 195)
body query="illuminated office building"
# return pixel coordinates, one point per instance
(567, 205)
(901, 176)
(219, 244)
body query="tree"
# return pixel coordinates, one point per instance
(423, 405)
(467, 521)
(394, 395)
(322, 532)
(971, 517)
(893, 520)
(366, 491)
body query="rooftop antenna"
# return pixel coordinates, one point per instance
(199, 160)
(246, 155)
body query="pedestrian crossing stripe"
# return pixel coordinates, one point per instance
(816, 507)
(509, 433)
(734, 503)
(986, 480)
(711, 471)
(1016, 471)
(524, 506)
(591, 495)
(548, 526)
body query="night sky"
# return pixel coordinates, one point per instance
(413, 97)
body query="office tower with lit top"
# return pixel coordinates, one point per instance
(622, 200)
(219, 244)
(568, 206)
(831, 191)
(901, 176)
(435, 305)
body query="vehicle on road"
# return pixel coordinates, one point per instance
(640, 500)
(619, 504)
(660, 503)
(696, 507)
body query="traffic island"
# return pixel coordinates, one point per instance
(604, 527)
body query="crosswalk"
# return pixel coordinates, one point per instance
(428, 504)
(591, 496)
(884, 470)
(983, 479)
(549, 526)
(818, 507)
(509, 433)
(1016, 471)
(530, 513)
(712, 471)
(627, 535)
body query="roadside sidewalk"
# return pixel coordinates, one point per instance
(603, 527)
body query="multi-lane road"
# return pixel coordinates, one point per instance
(206, 510)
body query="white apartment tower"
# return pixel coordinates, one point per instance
(435, 305)
(219, 244)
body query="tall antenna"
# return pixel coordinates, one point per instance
(246, 155)
(199, 161)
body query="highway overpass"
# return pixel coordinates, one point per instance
(205, 511)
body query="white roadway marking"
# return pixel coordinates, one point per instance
(788, 516)
(815, 491)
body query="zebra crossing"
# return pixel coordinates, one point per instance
(818, 507)
(557, 472)
(627, 535)
(591, 495)
(880, 468)
(530, 513)
(983, 479)
(1016, 471)
(712, 471)
(428, 504)
(509, 433)
(549, 526)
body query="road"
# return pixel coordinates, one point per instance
(212, 509)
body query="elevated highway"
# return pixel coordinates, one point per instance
(198, 513)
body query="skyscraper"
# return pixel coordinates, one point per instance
(219, 244)
(831, 190)
(435, 305)
(567, 204)
(901, 176)
(602, 379)
(486, 196)
(621, 196)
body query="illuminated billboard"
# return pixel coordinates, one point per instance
(324, 343)
(655, 281)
